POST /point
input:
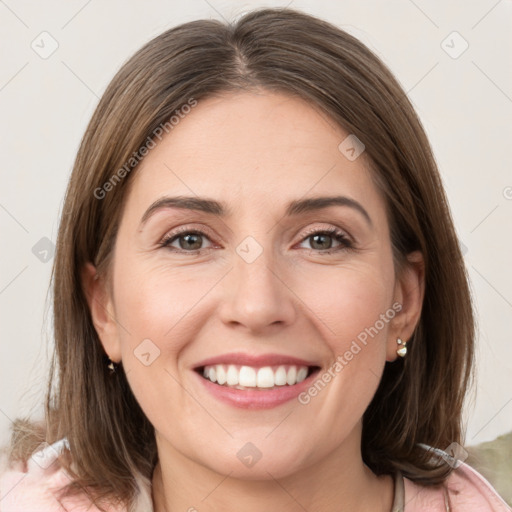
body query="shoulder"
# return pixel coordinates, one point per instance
(35, 485)
(464, 490)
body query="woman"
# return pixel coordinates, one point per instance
(259, 298)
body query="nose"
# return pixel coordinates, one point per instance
(256, 295)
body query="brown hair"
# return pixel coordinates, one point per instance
(419, 399)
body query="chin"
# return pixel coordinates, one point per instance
(261, 470)
(248, 462)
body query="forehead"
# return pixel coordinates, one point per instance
(263, 149)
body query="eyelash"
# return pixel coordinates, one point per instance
(337, 234)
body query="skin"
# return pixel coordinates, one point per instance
(256, 151)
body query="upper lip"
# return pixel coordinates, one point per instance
(240, 358)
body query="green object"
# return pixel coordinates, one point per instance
(493, 459)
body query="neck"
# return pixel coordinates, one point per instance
(338, 482)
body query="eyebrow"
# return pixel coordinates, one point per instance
(214, 207)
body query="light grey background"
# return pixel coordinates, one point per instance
(465, 104)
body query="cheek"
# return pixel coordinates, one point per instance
(153, 300)
(348, 302)
(156, 308)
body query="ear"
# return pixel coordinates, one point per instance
(409, 292)
(102, 311)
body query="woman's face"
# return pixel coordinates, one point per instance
(261, 278)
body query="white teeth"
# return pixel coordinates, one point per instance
(302, 374)
(291, 378)
(232, 376)
(249, 377)
(221, 374)
(280, 376)
(265, 377)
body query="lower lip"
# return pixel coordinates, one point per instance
(257, 399)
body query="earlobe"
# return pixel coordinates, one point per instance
(101, 308)
(409, 292)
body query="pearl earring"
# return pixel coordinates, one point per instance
(402, 349)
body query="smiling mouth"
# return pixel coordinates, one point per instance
(251, 378)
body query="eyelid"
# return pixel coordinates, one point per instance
(331, 230)
(347, 243)
(327, 228)
(203, 230)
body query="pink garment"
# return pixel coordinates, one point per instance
(31, 489)
(467, 491)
